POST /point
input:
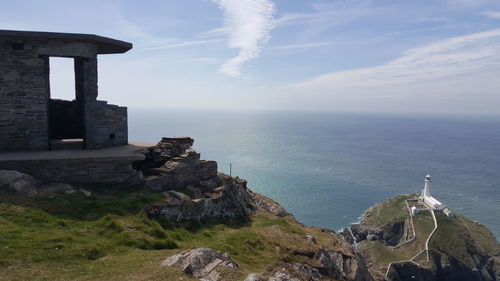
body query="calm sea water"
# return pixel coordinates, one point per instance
(327, 168)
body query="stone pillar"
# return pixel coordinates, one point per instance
(86, 92)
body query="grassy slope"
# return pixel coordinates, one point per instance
(108, 236)
(388, 212)
(458, 237)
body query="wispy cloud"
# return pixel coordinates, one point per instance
(184, 44)
(216, 32)
(301, 46)
(248, 24)
(491, 14)
(334, 13)
(450, 57)
(459, 69)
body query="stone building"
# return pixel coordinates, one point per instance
(29, 118)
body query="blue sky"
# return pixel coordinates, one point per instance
(426, 56)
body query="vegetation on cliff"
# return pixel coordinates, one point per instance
(109, 235)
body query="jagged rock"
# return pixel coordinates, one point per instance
(173, 164)
(179, 175)
(231, 200)
(340, 265)
(326, 264)
(296, 272)
(363, 230)
(346, 235)
(269, 205)
(203, 263)
(20, 182)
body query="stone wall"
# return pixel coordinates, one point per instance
(23, 98)
(25, 94)
(109, 126)
(79, 171)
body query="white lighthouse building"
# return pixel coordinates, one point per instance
(426, 197)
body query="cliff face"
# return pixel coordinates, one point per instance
(185, 221)
(458, 250)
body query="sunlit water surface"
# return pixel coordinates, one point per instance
(327, 168)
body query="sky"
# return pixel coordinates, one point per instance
(388, 56)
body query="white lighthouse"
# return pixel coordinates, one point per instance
(426, 197)
(427, 186)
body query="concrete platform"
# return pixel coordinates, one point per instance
(133, 149)
(80, 166)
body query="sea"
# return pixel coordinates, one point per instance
(328, 168)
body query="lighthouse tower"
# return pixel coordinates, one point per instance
(426, 197)
(427, 186)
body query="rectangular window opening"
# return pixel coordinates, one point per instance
(65, 109)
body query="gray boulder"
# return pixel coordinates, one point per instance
(30, 186)
(20, 182)
(202, 263)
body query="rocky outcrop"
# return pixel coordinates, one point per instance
(208, 264)
(444, 269)
(264, 203)
(230, 198)
(325, 264)
(203, 263)
(172, 165)
(341, 265)
(295, 272)
(390, 235)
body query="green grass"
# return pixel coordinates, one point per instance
(108, 236)
(389, 211)
(457, 237)
(105, 200)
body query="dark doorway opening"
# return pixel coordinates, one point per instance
(66, 122)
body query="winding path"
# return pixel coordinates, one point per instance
(412, 260)
(412, 227)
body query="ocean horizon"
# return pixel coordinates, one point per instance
(328, 168)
